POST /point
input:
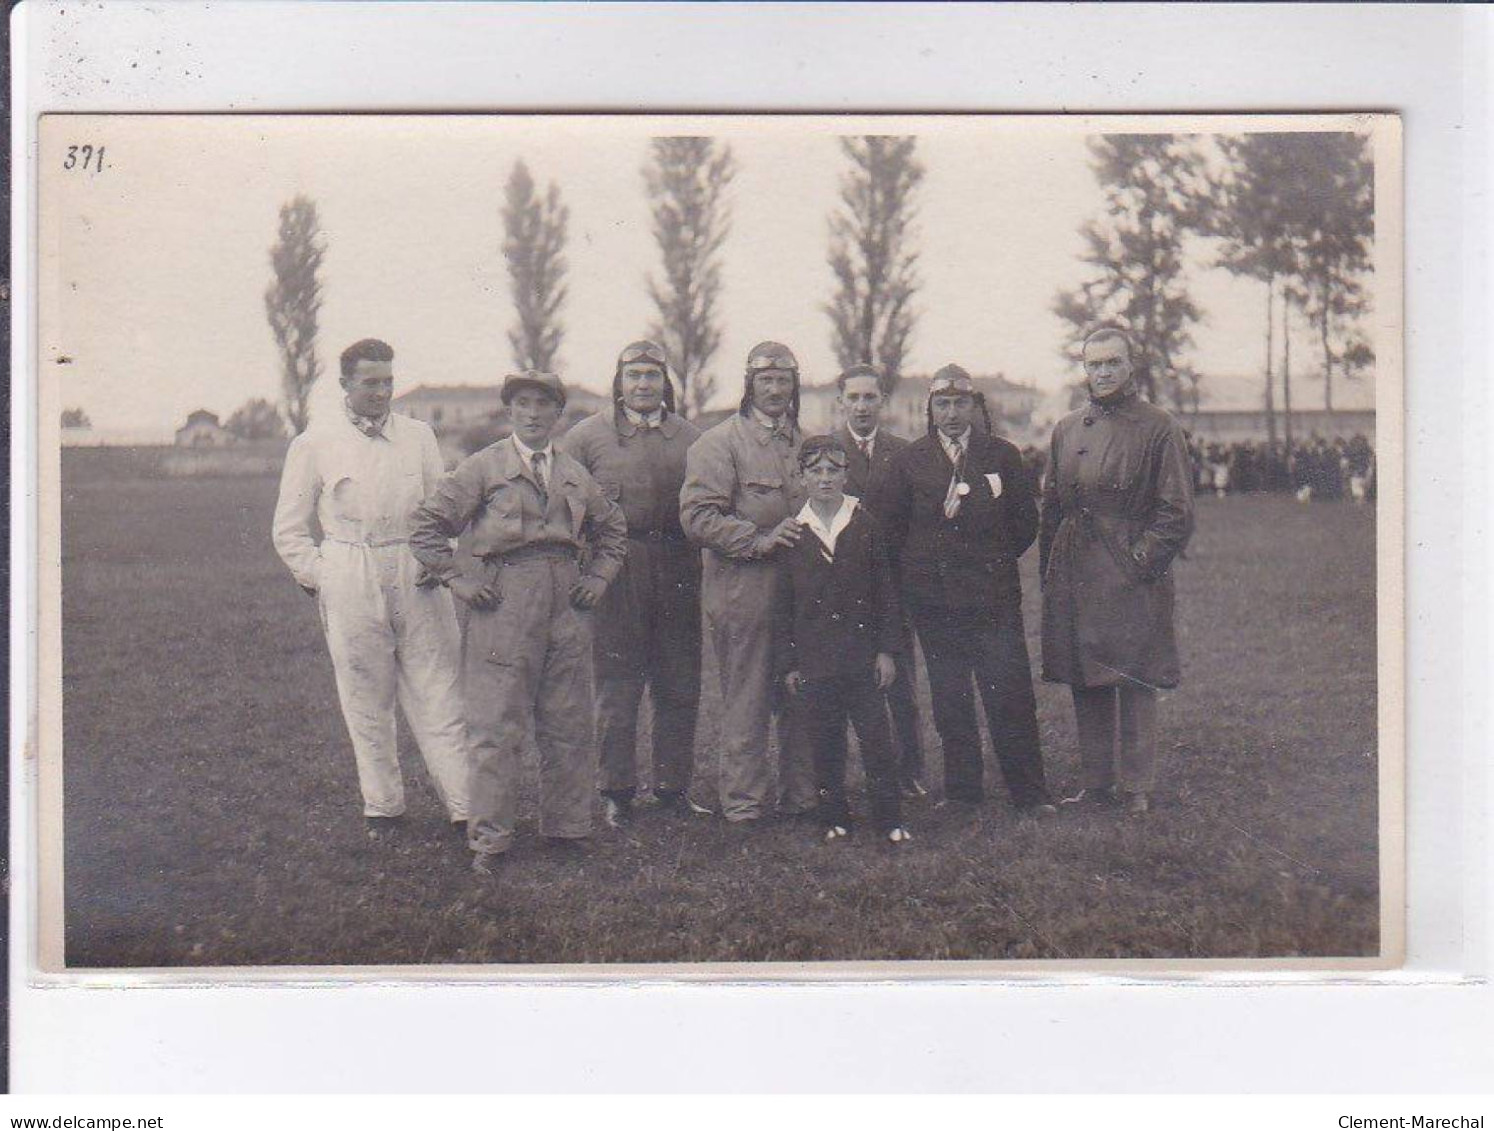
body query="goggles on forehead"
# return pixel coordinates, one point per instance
(772, 361)
(646, 352)
(817, 448)
(952, 386)
(836, 459)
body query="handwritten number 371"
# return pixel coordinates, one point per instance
(84, 157)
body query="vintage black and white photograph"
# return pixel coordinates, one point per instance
(796, 544)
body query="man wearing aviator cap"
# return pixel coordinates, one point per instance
(742, 489)
(959, 513)
(648, 622)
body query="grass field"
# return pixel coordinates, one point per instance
(212, 812)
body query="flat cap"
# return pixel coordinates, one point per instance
(532, 379)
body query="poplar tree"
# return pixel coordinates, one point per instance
(534, 229)
(872, 315)
(292, 304)
(687, 179)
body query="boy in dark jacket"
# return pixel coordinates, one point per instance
(837, 625)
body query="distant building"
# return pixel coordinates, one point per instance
(454, 408)
(203, 430)
(1227, 425)
(468, 417)
(449, 408)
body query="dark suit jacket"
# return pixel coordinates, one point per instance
(969, 561)
(832, 618)
(864, 479)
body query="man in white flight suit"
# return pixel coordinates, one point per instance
(391, 630)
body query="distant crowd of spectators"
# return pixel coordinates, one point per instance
(1318, 470)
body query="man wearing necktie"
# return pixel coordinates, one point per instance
(959, 513)
(870, 448)
(392, 635)
(648, 624)
(545, 542)
(742, 489)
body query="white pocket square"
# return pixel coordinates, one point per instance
(994, 480)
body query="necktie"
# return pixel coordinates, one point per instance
(538, 463)
(952, 496)
(865, 446)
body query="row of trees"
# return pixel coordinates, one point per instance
(687, 180)
(1295, 211)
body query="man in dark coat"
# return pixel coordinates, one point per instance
(869, 448)
(837, 626)
(1117, 508)
(958, 514)
(647, 630)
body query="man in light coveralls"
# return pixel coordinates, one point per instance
(546, 542)
(743, 487)
(648, 623)
(362, 473)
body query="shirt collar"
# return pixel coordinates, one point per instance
(869, 440)
(780, 427)
(653, 419)
(842, 518)
(948, 445)
(371, 426)
(527, 454)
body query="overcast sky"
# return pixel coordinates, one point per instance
(158, 287)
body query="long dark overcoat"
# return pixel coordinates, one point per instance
(1117, 508)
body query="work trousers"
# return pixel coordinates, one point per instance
(530, 659)
(738, 603)
(962, 647)
(648, 636)
(828, 704)
(391, 641)
(1117, 736)
(675, 709)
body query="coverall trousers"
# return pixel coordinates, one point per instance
(965, 649)
(530, 658)
(828, 704)
(1117, 736)
(738, 603)
(675, 707)
(391, 639)
(648, 635)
